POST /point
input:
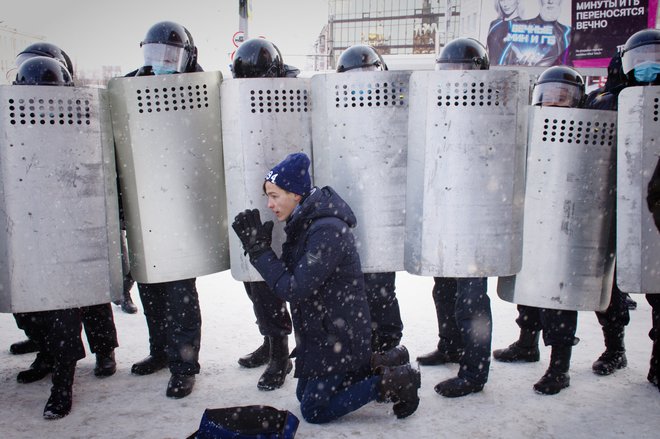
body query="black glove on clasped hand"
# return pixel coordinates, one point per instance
(255, 236)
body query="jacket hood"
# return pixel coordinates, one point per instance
(321, 203)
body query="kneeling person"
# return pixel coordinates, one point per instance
(320, 275)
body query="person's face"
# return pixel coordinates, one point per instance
(550, 9)
(280, 201)
(508, 7)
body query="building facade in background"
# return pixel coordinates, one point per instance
(541, 33)
(407, 29)
(12, 42)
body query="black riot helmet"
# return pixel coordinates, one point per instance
(42, 70)
(168, 47)
(463, 54)
(559, 86)
(258, 58)
(360, 57)
(45, 49)
(641, 56)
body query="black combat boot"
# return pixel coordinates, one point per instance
(524, 350)
(152, 363)
(126, 302)
(442, 355)
(180, 385)
(400, 384)
(279, 364)
(40, 367)
(105, 364)
(257, 358)
(61, 394)
(614, 356)
(157, 358)
(397, 356)
(23, 347)
(556, 377)
(457, 387)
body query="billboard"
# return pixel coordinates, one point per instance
(542, 33)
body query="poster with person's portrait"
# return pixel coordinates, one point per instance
(542, 33)
(528, 32)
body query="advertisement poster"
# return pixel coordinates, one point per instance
(599, 27)
(542, 33)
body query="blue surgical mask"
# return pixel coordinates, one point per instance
(162, 71)
(647, 71)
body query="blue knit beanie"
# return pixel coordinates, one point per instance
(292, 174)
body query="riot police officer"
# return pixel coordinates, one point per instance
(462, 304)
(653, 202)
(641, 65)
(260, 58)
(57, 333)
(97, 320)
(616, 317)
(386, 324)
(557, 86)
(171, 308)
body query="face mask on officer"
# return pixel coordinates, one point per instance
(164, 58)
(643, 61)
(647, 71)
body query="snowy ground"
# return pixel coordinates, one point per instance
(128, 406)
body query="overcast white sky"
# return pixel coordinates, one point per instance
(108, 32)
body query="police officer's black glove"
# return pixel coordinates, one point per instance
(255, 236)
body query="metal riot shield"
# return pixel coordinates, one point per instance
(466, 158)
(263, 120)
(638, 240)
(60, 245)
(569, 202)
(169, 150)
(360, 144)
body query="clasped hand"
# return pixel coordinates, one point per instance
(255, 236)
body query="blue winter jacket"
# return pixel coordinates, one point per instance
(320, 275)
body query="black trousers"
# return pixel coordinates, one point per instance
(386, 324)
(558, 326)
(465, 323)
(56, 332)
(654, 301)
(273, 318)
(97, 320)
(174, 322)
(617, 315)
(99, 325)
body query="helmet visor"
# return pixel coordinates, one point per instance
(637, 55)
(20, 59)
(164, 57)
(440, 65)
(371, 68)
(557, 94)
